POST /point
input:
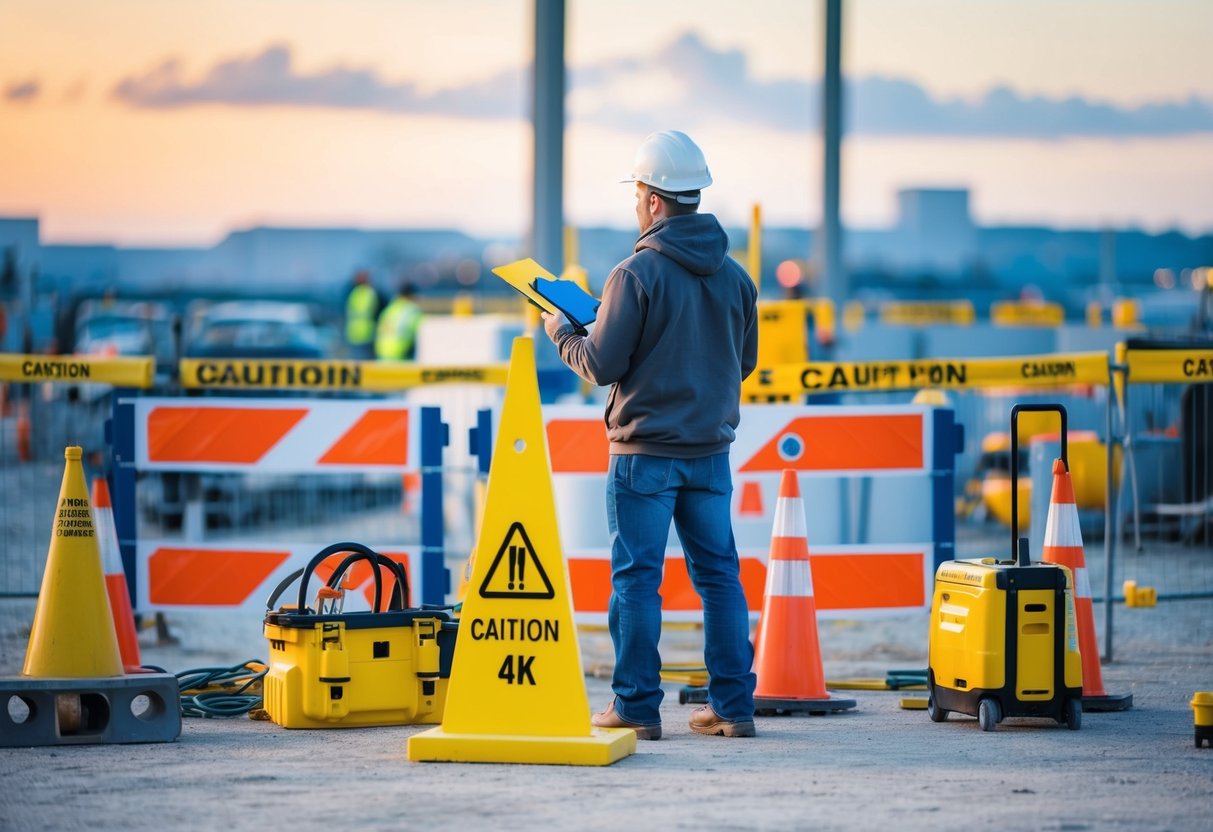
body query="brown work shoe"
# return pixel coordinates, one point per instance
(610, 719)
(704, 721)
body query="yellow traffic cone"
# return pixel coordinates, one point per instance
(73, 632)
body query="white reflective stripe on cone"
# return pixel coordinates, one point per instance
(107, 540)
(1061, 527)
(1082, 583)
(789, 518)
(789, 579)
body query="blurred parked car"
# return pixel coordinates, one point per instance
(258, 329)
(263, 329)
(112, 328)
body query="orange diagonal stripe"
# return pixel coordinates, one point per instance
(590, 579)
(200, 577)
(216, 434)
(868, 581)
(380, 437)
(578, 446)
(844, 443)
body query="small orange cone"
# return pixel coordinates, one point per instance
(115, 577)
(410, 484)
(1063, 546)
(787, 658)
(24, 454)
(750, 504)
(73, 631)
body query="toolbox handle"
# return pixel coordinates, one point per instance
(358, 552)
(1019, 547)
(400, 592)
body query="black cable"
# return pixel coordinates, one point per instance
(221, 691)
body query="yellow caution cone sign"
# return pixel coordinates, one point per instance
(73, 632)
(517, 692)
(72, 690)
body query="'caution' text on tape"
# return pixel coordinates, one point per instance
(952, 373)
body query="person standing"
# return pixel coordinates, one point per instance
(362, 306)
(396, 335)
(676, 333)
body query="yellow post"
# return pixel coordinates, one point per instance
(754, 252)
(1126, 313)
(571, 255)
(1121, 356)
(1094, 314)
(73, 632)
(853, 315)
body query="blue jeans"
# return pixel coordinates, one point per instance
(643, 494)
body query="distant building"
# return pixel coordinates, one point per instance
(20, 253)
(934, 249)
(935, 232)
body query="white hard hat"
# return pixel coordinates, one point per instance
(670, 162)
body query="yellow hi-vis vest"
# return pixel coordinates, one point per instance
(360, 309)
(396, 337)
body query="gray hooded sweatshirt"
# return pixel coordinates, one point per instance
(675, 335)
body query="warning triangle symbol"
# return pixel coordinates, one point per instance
(516, 571)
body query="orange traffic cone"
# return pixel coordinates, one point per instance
(1063, 545)
(115, 577)
(787, 658)
(750, 504)
(73, 631)
(24, 454)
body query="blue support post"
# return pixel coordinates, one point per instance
(435, 577)
(480, 440)
(120, 433)
(948, 442)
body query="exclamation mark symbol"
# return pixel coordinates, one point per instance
(521, 567)
(513, 564)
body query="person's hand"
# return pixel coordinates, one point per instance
(552, 323)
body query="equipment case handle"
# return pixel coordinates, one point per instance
(1019, 545)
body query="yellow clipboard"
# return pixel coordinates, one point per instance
(550, 293)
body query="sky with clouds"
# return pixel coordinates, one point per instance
(143, 122)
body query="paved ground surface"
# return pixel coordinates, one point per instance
(878, 766)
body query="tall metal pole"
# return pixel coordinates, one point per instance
(829, 252)
(547, 240)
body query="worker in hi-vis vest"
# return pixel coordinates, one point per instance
(396, 336)
(362, 307)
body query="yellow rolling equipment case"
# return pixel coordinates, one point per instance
(1004, 638)
(333, 669)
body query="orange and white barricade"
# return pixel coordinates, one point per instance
(264, 436)
(877, 487)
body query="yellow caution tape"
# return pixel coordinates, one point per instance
(1027, 313)
(135, 371)
(330, 375)
(952, 373)
(1159, 366)
(925, 313)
